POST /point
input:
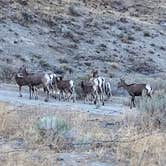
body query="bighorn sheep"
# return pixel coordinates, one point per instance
(21, 81)
(33, 81)
(107, 89)
(135, 90)
(89, 91)
(65, 87)
(98, 82)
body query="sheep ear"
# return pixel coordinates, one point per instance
(23, 66)
(122, 79)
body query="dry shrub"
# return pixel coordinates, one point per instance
(52, 131)
(154, 109)
(139, 143)
(115, 65)
(144, 150)
(142, 136)
(6, 74)
(8, 120)
(159, 84)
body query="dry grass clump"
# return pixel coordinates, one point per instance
(115, 65)
(156, 103)
(53, 131)
(8, 120)
(142, 150)
(159, 84)
(139, 141)
(44, 134)
(142, 136)
(154, 109)
(40, 127)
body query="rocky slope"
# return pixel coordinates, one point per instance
(116, 37)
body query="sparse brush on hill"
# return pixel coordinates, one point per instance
(6, 74)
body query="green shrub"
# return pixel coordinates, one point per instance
(44, 64)
(157, 103)
(66, 68)
(159, 84)
(63, 60)
(154, 109)
(51, 123)
(147, 34)
(53, 131)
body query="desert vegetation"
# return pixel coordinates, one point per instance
(33, 135)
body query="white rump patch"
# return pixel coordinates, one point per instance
(148, 87)
(47, 77)
(71, 83)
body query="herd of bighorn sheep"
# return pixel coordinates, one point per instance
(95, 89)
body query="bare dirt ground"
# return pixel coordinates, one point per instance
(18, 145)
(126, 138)
(9, 93)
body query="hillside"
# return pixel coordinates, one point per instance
(116, 37)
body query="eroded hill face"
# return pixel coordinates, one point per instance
(148, 10)
(116, 37)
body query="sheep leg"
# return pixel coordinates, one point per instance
(96, 97)
(47, 97)
(89, 98)
(92, 96)
(36, 94)
(72, 95)
(33, 92)
(149, 95)
(132, 102)
(101, 96)
(60, 94)
(30, 92)
(85, 99)
(20, 95)
(109, 95)
(64, 95)
(69, 97)
(51, 88)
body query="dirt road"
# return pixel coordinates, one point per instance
(9, 93)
